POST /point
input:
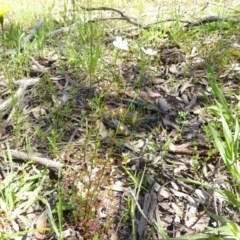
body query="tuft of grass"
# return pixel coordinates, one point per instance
(226, 139)
(225, 131)
(139, 182)
(19, 191)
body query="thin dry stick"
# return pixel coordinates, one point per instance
(60, 31)
(189, 24)
(186, 151)
(208, 19)
(8, 102)
(69, 142)
(150, 25)
(28, 38)
(39, 160)
(125, 17)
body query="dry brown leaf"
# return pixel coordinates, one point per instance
(162, 104)
(150, 94)
(38, 111)
(102, 130)
(157, 81)
(41, 225)
(185, 86)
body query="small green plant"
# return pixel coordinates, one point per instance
(227, 140)
(182, 121)
(84, 48)
(229, 230)
(160, 230)
(139, 182)
(225, 131)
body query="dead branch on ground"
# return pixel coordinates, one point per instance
(182, 149)
(36, 159)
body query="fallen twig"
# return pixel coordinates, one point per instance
(198, 22)
(150, 25)
(208, 19)
(28, 38)
(60, 30)
(23, 85)
(188, 24)
(69, 141)
(123, 16)
(182, 149)
(9, 101)
(39, 160)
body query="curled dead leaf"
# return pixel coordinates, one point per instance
(162, 104)
(149, 94)
(41, 225)
(102, 130)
